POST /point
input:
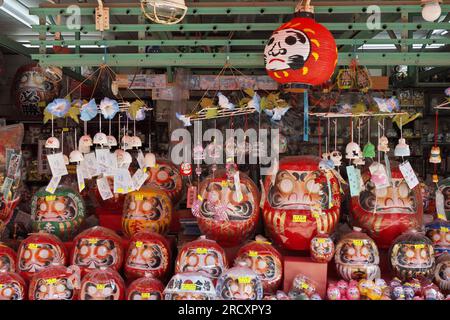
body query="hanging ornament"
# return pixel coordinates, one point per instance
(336, 155)
(59, 107)
(401, 149)
(369, 148)
(76, 155)
(52, 142)
(66, 159)
(111, 141)
(109, 108)
(435, 155)
(352, 150)
(345, 79)
(359, 161)
(383, 142)
(88, 110)
(186, 169)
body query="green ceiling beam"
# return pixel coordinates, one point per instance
(186, 27)
(223, 42)
(244, 9)
(239, 60)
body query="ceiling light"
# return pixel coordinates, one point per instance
(164, 11)
(431, 10)
(18, 11)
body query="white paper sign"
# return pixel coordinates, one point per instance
(56, 163)
(90, 161)
(354, 181)
(102, 156)
(123, 183)
(54, 182)
(80, 179)
(408, 174)
(139, 178)
(140, 159)
(84, 170)
(104, 189)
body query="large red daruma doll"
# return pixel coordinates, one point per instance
(388, 212)
(290, 195)
(301, 52)
(166, 176)
(241, 215)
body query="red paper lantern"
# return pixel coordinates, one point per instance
(290, 197)
(301, 53)
(388, 212)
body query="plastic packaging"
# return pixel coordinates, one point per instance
(321, 248)
(386, 213)
(439, 233)
(148, 209)
(8, 258)
(60, 213)
(97, 248)
(302, 287)
(190, 286)
(55, 283)
(265, 260)
(202, 255)
(412, 255)
(104, 284)
(239, 283)
(148, 254)
(300, 201)
(442, 272)
(39, 251)
(145, 288)
(12, 286)
(228, 212)
(444, 187)
(357, 256)
(114, 204)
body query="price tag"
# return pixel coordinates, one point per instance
(444, 229)
(440, 206)
(65, 129)
(237, 185)
(123, 183)
(139, 178)
(353, 180)
(53, 184)
(104, 189)
(252, 253)
(419, 246)
(321, 240)
(92, 241)
(80, 178)
(408, 174)
(32, 246)
(244, 280)
(298, 218)
(358, 242)
(100, 286)
(441, 216)
(145, 295)
(50, 198)
(224, 183)
(201, 250)
(140, 159)
(1, 285)
(56, 163)
(304, 286)
(139, 244)
(51, 281)
(188, 286)
(199, 197)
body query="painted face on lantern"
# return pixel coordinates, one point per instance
(202, 259)
(234, 289)
(154, 295)
(415, 255)
(100, 291)
(95, 253)
(55, 209)
(11, 291)
(142, 207)
(217, 194)
(36, 256)
(357, 252)
(53, 289)
(297, 190)
(398, 198)
(146, 256)
(264, 265)
(287, 49)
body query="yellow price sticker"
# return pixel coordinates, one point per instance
(139, 244)
(252, 253)
(298, 218)
(358, 242)
(199, 197)
(1, 285)
(92, 241)
(188, 286)
(315, 215)
(119, 190)
(305, 286)
(145, 169)
(419, 246)
(224, 183)
(139, 197)
(441, 216)
(51, 190)
(321, 240)
(50, 198)
(82, 186)
(32, 246)
(244, 280)
(145, 295)
(65, 129)
(201, 250)
(444, 229)
(51, 281)
(100, 286)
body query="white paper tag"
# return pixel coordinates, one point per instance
(102, 156)
(139, 178)
(54, 182)
(354, 180)
(56, 163)
(14, 165)
(104, 189)
(80, 179)
(84, 170)
(7, 184)
(90, 161)
(123, 183)
(440, 207)
(140, 159)
(237, 185)
(408, 174)
(379, 175)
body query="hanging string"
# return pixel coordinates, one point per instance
(120, 141)
(100, 122)
(320, 139)
(351, 126)
(335, 133)
(109, 131)
(378, 142)
(436, 123)
(327, 142)
(85, 127)
(76, 145)
(359, 131)
(368, 130)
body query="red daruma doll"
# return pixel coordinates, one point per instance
(12, 286)
(145, 288)
(55, 283)
(39, 251)
(104, 284)
(7, 259)
(387, 212)
(228, 211)
(301, 201)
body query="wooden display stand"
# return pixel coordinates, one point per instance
(304, 265)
